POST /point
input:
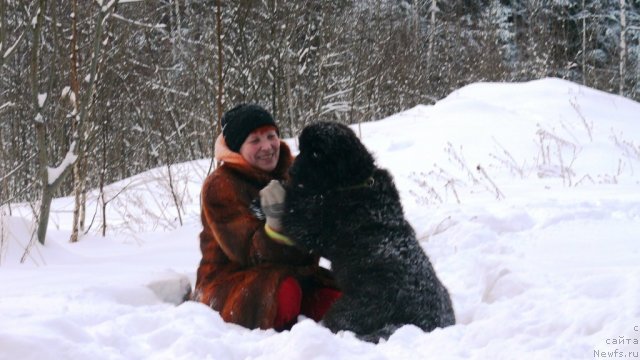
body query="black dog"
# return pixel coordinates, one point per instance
(339, 205)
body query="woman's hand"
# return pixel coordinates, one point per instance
(272, 203)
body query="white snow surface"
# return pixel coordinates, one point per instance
(526, 197)
(69, 159)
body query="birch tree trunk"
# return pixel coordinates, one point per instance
(82, 109)
(3, 32)
(216, 127)
(432, 33)
(75, 92)
(219, 38)
(49, 183)
(43, 161)
(623, 46)
(584, 43)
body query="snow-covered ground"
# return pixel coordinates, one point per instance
(525, 196)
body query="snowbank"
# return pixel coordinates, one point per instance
(525, 196)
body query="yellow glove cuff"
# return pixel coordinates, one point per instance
(277, 237)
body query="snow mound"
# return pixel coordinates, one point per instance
(525, 196)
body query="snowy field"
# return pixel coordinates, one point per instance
(525, 196)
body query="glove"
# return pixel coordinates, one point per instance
(272, 203)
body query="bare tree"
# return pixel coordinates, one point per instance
(623, 47)
(584, 42)
(78, 209)
(432, 32)
(50, 179)
(83, 110)
(219, 37)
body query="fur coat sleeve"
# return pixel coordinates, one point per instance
(226, 215)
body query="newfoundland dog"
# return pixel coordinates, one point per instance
(339, 205)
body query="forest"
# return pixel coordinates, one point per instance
(94, 91)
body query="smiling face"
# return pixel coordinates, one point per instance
(261, 148)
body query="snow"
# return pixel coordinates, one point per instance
(69, 160)
(105, 8)
(547, 270)
(10, 50)
(41, 99)
(6, 105)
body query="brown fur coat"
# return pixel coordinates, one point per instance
(241, 267)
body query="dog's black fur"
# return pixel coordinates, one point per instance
(342, 207)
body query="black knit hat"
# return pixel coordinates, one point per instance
(240, 121)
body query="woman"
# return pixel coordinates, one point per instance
(249, 278)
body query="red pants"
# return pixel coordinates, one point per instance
(293, 302)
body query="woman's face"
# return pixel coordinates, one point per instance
(261, 148)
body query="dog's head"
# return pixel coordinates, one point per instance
(331, 157)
